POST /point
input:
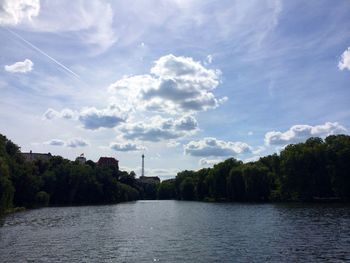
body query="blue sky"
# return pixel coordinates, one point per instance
(189, 83)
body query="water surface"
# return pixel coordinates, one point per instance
(175, 231)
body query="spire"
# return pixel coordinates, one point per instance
(143, 165)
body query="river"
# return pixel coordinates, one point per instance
(178, 231)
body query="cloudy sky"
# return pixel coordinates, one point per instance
(187, 82)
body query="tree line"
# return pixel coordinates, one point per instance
(314, 170)
(59, 181)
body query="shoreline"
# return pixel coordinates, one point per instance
(310, 202)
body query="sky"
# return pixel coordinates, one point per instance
(189, 83)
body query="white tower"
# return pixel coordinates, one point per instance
(143, 165)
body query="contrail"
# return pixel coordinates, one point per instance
(43, 53)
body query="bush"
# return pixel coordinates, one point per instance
(6, 194)
(42, 198)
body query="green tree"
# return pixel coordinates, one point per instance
(42, 198)
(236, 185)
(166, 190)
(256, 182)
(6, 188)
(187, 189)
(338, 155)
(218, 176)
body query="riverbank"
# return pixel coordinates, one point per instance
(13, 210)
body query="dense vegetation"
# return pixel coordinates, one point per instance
(314, 170)
(63, 182)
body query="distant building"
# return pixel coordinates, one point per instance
(149, 179)
(31, 157)
(108, 161)
(81, 159)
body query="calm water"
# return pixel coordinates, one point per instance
(175, 231)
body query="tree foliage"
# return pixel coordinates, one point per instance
(315, 170)
(59, 181)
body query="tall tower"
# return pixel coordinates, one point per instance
(143, 165)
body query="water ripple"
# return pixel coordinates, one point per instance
(173, 231)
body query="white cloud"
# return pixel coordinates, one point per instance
(158, 129)
(215, 147)
(209, 162)
(73, 143)
(258, 150)
(13, 12)
(90, 21)
(170, 66)
(67, 114)
(299, 133)
(187, 123)
(53, 114)
(128, 89)
(55, 142)
(252, 159)
(172, 144)
(20, 66)
(209, 59)
(90, 117)
(50, 114)
(77, 142)
(126, 147)
(344, 62)
(93, 119)
(175, 84)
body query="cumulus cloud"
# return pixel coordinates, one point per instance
(208, 162)
(93, 119)
(126, 147)
(77, 142)
(344, 62)
(90, 117)
(73, 143)
(158, 129)
(214, 147)
(50, 114)
(13, 12)
(259, 150)
(299, 133)
(175, 84)
(67, 114)
(187, 123)
(53, 114)
(55, 142)
(20, 66)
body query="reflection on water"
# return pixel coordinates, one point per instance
(174, 231)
